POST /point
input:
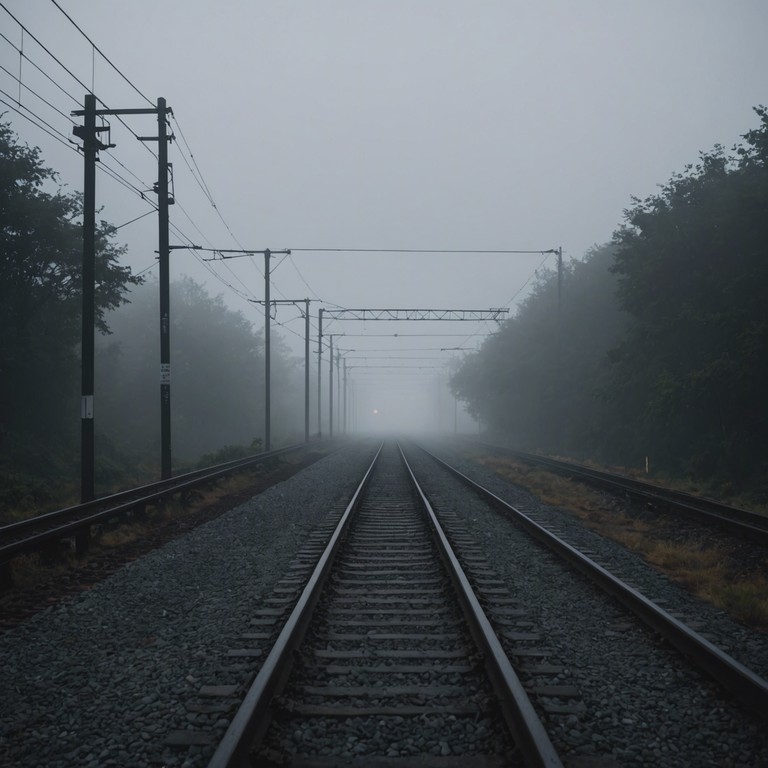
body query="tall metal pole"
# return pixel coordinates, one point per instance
(319, 373)
(455, 415)
(330, 389)
(559, 331)
(306, 370)
(345, 395)
(165, 291)
(88, 318)
(559, 292)
(267, 354)
(338, 394)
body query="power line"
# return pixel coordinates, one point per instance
(53, 133)
(101, 53)
(36, 94)
(413, 250)
(39, 68)
(134, 219)
(71, 74)
(63, 139)
(201, 180)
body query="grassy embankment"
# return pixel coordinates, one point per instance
(708, 568)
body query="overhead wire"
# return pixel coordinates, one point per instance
(37, 95)
(39, 68)
(101, 53)
(199, 179)
(415, 250)
(104, 166)
(49, 129)
(72, 74)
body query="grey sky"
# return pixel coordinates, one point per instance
(418, 124)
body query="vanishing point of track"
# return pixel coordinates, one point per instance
(381, 640)
(375, 635)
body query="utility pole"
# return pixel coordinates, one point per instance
(90, 144)
(338, 393)
(559, 306)
(267, 355)
(330, 389)
(88, 132)
(306, 370)
(267, 352)
(319, 372)
(267, 309)
(163, 201)
(295, 302)
(345, 395)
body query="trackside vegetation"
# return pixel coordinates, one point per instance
(217, 356)
(662, 348)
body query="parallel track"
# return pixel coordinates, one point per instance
(383, 648)
(748, 687)
(742, 522)
(41, 531)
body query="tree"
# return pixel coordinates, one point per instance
(693, 268)
(40, 290)
(217, 370)
(538, 382)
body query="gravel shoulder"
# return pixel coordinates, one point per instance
(101, 679)
(644, 704)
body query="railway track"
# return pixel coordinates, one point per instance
(76, 522)
(745, 523)
(217, 649)
(388, 653)
(750, 688)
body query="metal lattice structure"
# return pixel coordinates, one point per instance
(416, 314)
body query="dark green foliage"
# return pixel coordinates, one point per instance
(40, 305)
(692, 263)
(664, 352)
(540, 383)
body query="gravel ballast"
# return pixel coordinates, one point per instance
(644, 705)
(102, 679)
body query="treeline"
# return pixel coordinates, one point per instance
(217, 377)
(217, 358)
(662, 345)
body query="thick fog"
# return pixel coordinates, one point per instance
(441, 126)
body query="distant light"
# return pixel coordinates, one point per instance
(375, 411)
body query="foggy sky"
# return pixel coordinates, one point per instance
(400, 124)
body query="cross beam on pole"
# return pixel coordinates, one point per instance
(88, 132)
(417, 314)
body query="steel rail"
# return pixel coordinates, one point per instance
(252, 717)
(530, 736)
(69, 520)
(736, 519)
(747, 686)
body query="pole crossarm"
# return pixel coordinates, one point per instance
(416, 314)
(220, 254)
(282, 302)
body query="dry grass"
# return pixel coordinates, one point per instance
(705, 569)
(33, 570)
